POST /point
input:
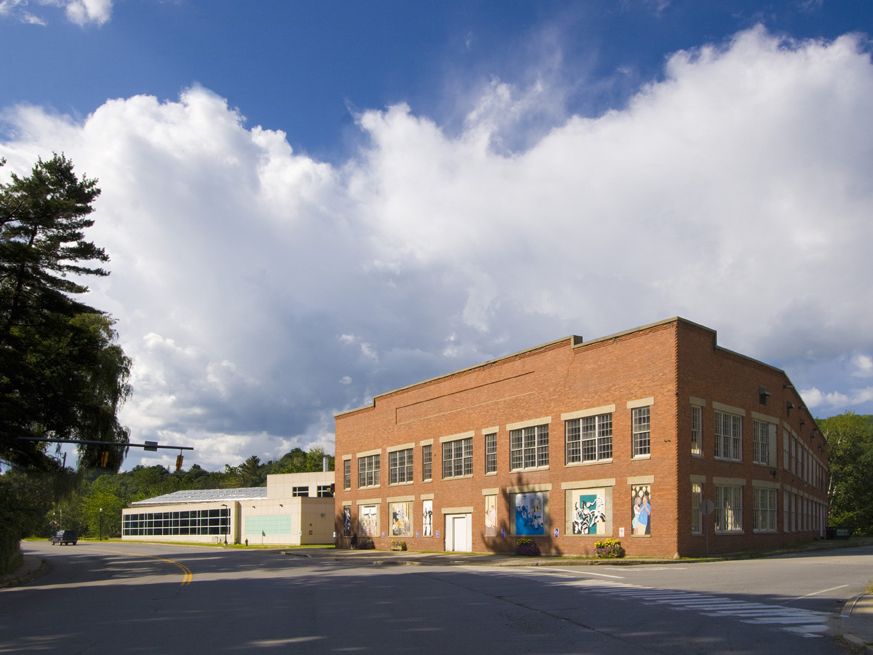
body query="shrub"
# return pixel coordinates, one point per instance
(608, 548)
(398, 544)
(526, 546)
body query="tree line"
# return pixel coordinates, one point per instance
(91, 500)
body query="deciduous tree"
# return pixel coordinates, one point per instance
(850, 454)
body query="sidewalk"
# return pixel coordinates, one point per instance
(30, 567)
(855, 622)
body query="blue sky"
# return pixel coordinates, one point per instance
(307, 204)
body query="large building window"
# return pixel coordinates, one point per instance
(400, 466)
(427, 462)
(696, 512)
(589, 438)
(764, 436)
(529, 447)
(458, 458)
(491, 452)
(728, 509)
(642, 436)
(347, 474)
(764, 518)
(368, 470)
(696, 430)
(191, 522)
(728, 436)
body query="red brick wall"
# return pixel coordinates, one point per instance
(716, 375)
(555, 379)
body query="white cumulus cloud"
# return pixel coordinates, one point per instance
(80, 12)
(247, 278)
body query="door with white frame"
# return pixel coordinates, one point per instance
(459, 532)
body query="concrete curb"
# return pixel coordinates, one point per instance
(854, 624)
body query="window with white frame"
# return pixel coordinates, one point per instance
(696, 430)
(588, 439)
(764, 510)
(696, 512)
(458, 458)
(786, 440)
(529, 447)
(368, 470)
(728, 508)
(641, 438)
(764, 439)
(300, 492)
(728, 436)
(324, 490)
(400, 466)
(491, 452)
(427, 462)
(347, 474)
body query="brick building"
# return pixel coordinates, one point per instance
(656, 436)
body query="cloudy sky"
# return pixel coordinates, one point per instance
(310, 203)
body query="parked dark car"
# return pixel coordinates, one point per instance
(64, 537)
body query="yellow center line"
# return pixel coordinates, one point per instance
(187, 575)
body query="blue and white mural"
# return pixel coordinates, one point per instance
(530, 510)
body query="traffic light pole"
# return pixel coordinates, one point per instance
(148, 445)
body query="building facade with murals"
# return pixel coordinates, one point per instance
(656, 436)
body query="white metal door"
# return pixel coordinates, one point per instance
(459, 532)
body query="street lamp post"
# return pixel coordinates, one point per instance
(226, 523)
(100, 534)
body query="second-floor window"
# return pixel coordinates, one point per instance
(642, 437)
(529, 447)
(427, 462)
(368, 470)
(728, 436)
(400, 466)
(589, 438)
(491, 453)
(458, 458)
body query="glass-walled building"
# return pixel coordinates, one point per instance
(293, 509)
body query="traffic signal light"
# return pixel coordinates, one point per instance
(179, 460)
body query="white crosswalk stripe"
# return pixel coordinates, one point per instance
(803, 622)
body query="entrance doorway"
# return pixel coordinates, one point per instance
(459, 532)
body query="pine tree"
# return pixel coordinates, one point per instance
(61, 373)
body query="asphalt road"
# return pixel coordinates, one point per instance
(137, 598)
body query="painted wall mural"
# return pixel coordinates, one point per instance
(589, 512)
(491, 516)
(427, 518)
(347, 521)
(641, 510)
(368, 515)
(401, 519)
(530, 513)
